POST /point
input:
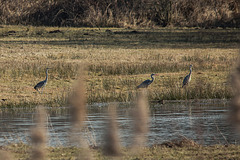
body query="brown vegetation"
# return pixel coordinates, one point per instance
(183, 148)
(4, 155)
(140, 120)
(117, 61)
(112, 145)
(235, 107)
(121, 13)
(38, 135)
(78, 116)
(78, 103)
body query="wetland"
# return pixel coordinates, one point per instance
(184, 123)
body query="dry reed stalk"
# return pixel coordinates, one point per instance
(78, 116)
(112, 142)
(140, 120)
(235, 104)
(4, 155)
(78, 103)
(38, 135)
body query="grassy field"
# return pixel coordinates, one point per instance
(116, 61)
(184, 150)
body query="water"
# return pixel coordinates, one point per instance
(205, 122)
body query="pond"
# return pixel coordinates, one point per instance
(204, 121)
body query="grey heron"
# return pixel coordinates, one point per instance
(187, 79)
(43, 83)
(147, 82)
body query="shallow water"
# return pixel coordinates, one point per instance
(204, 121)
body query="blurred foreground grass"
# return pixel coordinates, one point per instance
(183, 150)
(117, 60)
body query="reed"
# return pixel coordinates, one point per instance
(112, 145)
(4, 155)
(78, 104)
(78, 116)
(177, 149)
(38, 135)
(140, 124)
(235, 106)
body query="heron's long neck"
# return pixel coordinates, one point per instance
(46, 75)
(190, 71)
(152, 78)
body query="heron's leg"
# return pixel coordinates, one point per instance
(42, 89)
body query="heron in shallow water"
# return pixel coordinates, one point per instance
(147, 82)
(187, 79)
(43, 83)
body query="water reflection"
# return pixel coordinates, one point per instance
(206, 122)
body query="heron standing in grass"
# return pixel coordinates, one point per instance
(147, 82)
(43, 83)
(187, 79)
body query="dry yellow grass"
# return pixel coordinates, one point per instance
(117, 62)
(187, 150)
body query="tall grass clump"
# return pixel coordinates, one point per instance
(235, 106)
(4, 155)
(78, 116)
(38, 135)
(140, 124)
(135, 68)
(78, 103)
(60, 69)
(112, 142)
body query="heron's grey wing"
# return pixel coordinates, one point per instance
(39, 85)
(144, 84)
(185, 81)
